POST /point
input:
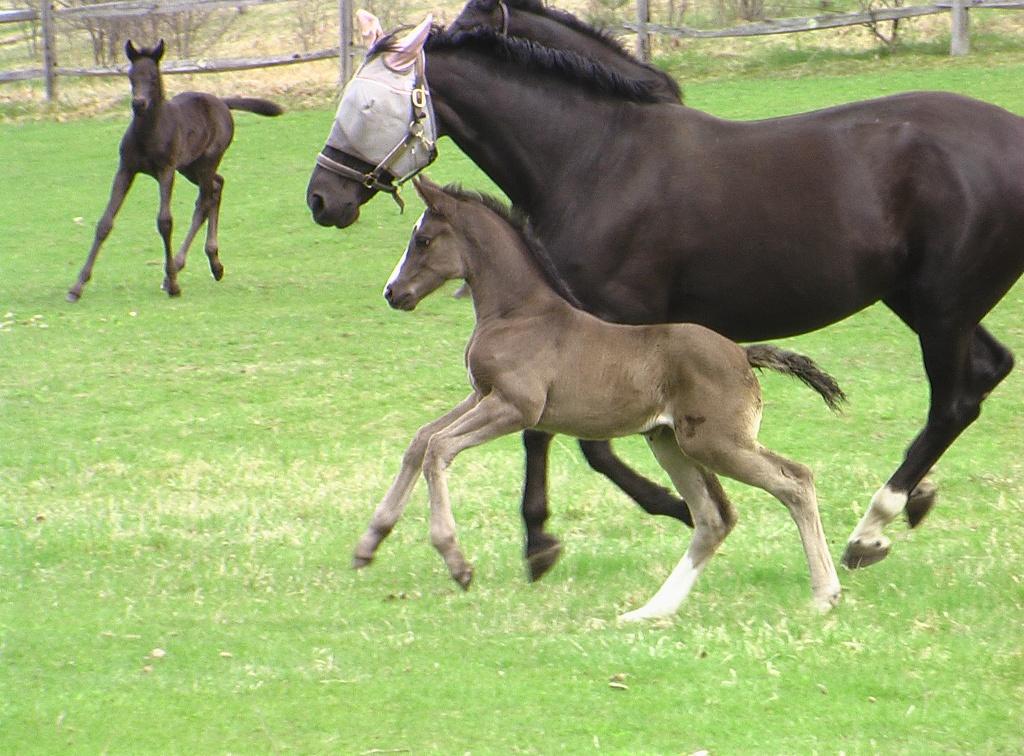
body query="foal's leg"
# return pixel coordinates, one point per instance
(212, 247)
(491, 418)
(394, 501)
(793, 485)
(957, 389)
(164, 225)
(199, 216)
(713, 518)
(122, 183)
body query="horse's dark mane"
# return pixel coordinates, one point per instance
(557, 14)
(564, 63)
(568, 20)
(520, 223)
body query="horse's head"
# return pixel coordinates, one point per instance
(144, 75)
(384, 131)
(435, 251)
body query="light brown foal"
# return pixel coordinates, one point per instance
(536, 361)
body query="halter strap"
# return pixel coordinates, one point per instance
(504, 17)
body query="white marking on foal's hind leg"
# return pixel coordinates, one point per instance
(867, 544)
(672, 593)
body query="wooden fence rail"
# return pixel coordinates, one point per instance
(956, 8)
(47, 15)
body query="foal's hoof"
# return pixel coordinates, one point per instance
(218, 272)
(920, 502)
(542, 557)
(73, 296)
(860, 553)
(358, 562)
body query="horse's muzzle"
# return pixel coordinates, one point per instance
(400, 301)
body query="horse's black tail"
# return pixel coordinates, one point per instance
(798, 366)
(254, 105)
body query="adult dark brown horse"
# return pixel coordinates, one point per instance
(756, 229)
(188, 133)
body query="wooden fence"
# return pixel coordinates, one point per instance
(958, 10)
(46, 16)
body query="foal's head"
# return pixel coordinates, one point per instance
(144, 75)
(436, 252)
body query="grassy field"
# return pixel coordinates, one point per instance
(182, 483)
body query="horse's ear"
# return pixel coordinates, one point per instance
(408, 48)
(369, 27)
(433, 196)
(130, 51)
(158, 51)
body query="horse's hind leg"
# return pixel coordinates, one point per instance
(713, 518)
(652, 498)
(207, 210)
(962, 365)
(542, 548)
(397, 496)
(212, 246)
(122, 183)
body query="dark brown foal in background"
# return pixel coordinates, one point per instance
(189, 134)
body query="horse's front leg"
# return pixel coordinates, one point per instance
(542, 549)
(491, 418)
(165, 225)
(394, 501)
(122, 183)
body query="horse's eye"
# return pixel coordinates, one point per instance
(422, 242)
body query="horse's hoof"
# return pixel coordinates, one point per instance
(920, 502)
(860, 553)
(73, 296)
(464, 577)
(543, 558)
(218, 273)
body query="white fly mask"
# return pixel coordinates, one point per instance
(386, 119)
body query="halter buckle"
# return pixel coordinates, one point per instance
(419, 98)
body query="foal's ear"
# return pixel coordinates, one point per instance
(158, 51)
(369, 27)
(130, 51)
(408, 48)
(434, 197)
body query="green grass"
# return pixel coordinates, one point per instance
(191, 476)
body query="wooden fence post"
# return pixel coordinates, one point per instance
(344, 41)
(643, 37)
(959, 21)
(49, 54)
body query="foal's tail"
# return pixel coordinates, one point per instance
(254, 105)
(798, 366)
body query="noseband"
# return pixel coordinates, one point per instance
(380, 176)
